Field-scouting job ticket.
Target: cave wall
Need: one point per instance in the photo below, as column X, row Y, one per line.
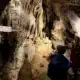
column 40, row 26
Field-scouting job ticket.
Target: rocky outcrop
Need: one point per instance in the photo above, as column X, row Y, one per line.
column 20, row 15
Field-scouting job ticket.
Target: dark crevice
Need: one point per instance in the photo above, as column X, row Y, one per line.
column 5, row 21
column 3, row 4
column 7, row 47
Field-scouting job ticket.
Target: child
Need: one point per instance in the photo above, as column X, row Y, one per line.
column 59, row 65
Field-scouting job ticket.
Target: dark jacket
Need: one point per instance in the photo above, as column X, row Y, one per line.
column 58, row 67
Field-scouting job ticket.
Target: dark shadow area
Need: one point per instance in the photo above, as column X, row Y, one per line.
column 75, row 8
column 5, row 21
column 3, row 4
column 50, row 18
column 7, row 47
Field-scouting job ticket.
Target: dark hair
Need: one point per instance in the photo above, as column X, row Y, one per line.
column 61, row 49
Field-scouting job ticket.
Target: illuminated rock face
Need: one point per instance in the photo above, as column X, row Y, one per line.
column 21, row 17
column 40, row 61
column 58, row 33
column 75, row 23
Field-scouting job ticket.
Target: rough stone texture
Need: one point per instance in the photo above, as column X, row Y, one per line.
column 40, row 62
column 24, row 24
column 29, row 40
column 58, row 33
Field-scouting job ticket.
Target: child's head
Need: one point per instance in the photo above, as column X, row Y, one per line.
column 61, row 49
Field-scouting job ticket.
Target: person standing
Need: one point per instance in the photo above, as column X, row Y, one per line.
column 59, row 65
